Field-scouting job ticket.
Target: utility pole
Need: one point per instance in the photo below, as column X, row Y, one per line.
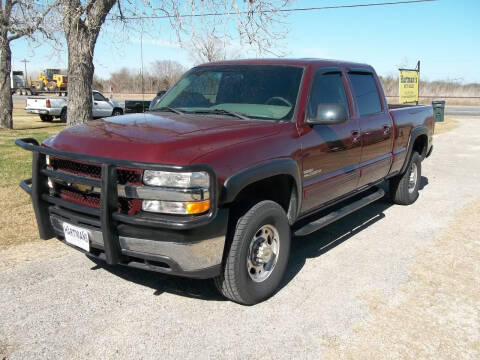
column 25, row 61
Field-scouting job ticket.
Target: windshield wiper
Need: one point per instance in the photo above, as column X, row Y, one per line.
column 168, row 108
column 222, row 112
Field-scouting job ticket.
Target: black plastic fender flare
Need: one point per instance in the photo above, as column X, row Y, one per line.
column 414, row 134
column 239, row 181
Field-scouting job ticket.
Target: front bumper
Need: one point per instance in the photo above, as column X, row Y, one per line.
column 195, row 253
column 185, row 246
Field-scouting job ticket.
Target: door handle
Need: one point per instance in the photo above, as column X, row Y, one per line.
column 386, row 129
column 355, row 136
column 95, row 103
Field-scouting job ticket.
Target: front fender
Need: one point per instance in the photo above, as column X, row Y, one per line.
column 237, row 182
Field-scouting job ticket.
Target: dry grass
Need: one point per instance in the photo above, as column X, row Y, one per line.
column 457, row 93
column 17, row 221
column 438, row 314
column 448, row 125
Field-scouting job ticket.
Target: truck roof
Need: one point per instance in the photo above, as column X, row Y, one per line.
column 289, row 61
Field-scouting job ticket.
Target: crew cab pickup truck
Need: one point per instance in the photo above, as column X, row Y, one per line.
column 232, row 160
column 56, row 107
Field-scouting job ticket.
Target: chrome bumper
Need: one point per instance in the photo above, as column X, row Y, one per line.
column 191, row 257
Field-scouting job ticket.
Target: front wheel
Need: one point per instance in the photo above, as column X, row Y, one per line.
column 63, row 116
column 258, row 255
column 117, row 112
column 404, row 187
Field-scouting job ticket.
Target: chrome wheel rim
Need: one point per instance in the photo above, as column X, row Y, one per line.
column 412, row 178
column 263, row 253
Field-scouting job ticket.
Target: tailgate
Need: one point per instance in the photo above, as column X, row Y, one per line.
column 36, row 103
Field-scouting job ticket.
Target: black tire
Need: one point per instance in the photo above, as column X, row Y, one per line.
column 235, row 282
column 63, row 116
column 117, row 112
column 402, row 190
column 46, row 118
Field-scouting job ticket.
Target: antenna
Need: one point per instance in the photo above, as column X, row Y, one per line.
column 141, row 73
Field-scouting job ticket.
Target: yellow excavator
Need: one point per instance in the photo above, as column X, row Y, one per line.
column 50, row 80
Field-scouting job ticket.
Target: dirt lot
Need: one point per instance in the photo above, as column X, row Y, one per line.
column 386, row 282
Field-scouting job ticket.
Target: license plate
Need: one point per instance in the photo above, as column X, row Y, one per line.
column 76, row 236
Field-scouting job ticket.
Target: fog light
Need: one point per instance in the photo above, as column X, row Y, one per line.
column 176, row 207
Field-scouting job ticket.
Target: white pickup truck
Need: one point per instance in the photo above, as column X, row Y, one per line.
column 56, row 107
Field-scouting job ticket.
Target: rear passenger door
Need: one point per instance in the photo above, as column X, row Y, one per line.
column 331, row 153
column 376, row 126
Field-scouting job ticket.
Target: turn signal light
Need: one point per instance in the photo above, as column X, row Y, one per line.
column 197, row 207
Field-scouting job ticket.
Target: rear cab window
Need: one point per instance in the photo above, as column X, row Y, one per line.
column 365, row 93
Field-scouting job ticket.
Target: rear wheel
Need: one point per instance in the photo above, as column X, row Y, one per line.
column 404, row 188
column 258, row 255
column 46, row 118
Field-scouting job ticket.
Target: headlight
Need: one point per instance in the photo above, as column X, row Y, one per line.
column 47, row 160
column 176, row 207
column 186, row 193
column 176, row 179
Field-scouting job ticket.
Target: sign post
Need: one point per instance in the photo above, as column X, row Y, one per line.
column 408, row 81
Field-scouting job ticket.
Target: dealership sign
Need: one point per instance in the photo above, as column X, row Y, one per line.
column 408, row 80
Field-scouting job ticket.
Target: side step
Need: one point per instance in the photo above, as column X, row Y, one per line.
column 340, row 213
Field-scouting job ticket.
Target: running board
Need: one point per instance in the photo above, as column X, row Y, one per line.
column 340, row 213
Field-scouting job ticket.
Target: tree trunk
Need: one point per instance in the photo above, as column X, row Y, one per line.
column 80, row 78
column 6, row 104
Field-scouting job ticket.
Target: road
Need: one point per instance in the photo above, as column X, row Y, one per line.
column 463, row 110
column 349, row 286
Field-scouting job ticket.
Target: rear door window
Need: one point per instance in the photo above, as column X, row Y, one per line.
column 366, row 93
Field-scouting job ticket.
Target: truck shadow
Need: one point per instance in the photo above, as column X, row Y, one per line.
column 162, row 283
column 302, row 248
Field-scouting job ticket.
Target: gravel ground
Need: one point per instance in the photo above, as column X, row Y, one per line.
column 345, row 284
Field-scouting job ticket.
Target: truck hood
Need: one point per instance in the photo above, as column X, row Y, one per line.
column 170, row 139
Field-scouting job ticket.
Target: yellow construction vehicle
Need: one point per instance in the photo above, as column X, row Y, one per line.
column 50, row 80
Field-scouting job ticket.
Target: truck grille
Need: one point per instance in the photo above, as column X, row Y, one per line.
column 124, row 176
column 88, row 170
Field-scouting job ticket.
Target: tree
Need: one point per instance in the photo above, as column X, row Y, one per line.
column 167, row 72
column 250, row 22
column 81, row 23
column 18, row 19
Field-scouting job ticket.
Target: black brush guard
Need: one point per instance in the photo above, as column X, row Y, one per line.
column 37, row 188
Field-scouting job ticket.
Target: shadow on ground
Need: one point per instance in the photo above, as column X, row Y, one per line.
column 303, row 248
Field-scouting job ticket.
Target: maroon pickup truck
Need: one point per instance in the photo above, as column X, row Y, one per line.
column 235, row 157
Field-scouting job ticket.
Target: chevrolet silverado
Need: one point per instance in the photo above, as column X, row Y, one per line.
column 232, row 160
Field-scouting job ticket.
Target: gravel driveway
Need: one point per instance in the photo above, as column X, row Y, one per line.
column 344, row 284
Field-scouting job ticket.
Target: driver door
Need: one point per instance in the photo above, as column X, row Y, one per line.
column 101, row 106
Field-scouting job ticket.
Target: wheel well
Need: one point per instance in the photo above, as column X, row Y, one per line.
column 279, row 188
column 117, row 108
column 420, row 145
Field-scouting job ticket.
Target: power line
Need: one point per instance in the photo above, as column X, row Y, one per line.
column 268, row 11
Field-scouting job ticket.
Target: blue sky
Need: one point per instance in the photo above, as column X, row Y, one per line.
column 444, row 35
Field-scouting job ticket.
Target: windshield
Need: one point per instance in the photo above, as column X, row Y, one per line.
column 252, row 91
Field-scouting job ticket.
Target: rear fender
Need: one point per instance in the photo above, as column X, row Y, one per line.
column 414, row 134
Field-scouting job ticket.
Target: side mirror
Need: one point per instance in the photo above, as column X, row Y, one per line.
column 329, row 114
